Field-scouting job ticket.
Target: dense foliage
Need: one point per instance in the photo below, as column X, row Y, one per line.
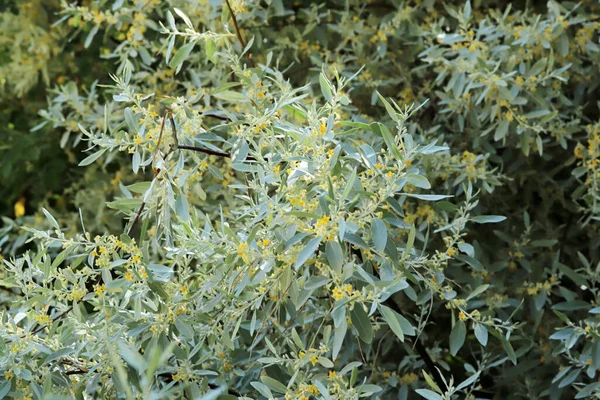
column 325, row 199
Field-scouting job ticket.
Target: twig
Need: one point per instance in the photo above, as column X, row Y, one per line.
column 59, row 316
column 205, row 151
column 239, row 34
column 9, row 290
column 135, row 220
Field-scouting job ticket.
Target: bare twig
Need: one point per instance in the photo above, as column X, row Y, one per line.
column 239, row 34
column 9, row 290
column 135, row 220
column 59, row 316
column 205, row 151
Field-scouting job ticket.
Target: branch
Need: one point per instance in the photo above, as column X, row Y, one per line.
column 9, row 290
column 135, row 220
column 59, row 316
column 239, row 34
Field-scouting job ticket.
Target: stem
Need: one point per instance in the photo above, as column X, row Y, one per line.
column 135, row 220
column 239, row 34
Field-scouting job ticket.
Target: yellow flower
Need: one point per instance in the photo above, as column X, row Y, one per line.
column 337, row 294
column 462, row 316
column 314, row 360
column 129, row 276
column 332, row 375
column 8, row 374
column 99, row 289
column 20, row 207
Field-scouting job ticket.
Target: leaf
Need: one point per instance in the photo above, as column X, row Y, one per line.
column 467, row 382
column 181, row 55
column 428, row 197
column 307, row 252
column 339, row 333
column 325, row 87
column 478, row 291
column 132, row 357
column 473, row 262
column 230, row 95
column 391, row 317
column 334, row 254
column 509, row 350
column 481, row 333
column 457, row 337
column 210, row 48
column 182, row 207
column 262, row 389
column 429, row 395
column 51, row 218
column 92, row 157
column 90, row 36
column 5, row 388
column 273, row 384
column 488, row 219
column 59, row 354
column 378, row 234
column 410, row 242
column 362, row 323
column 184, row 17
column 131, row 121
column 418, row 181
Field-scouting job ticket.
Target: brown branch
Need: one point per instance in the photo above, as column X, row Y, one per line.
column 239, row 34
column 205, row 151
column 135, row 220
column 59, row 316
column 9, row 290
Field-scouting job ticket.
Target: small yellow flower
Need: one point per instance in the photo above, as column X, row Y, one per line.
column 337, row 294
column 322, row 129
column 332, row 375
column 20, row 207
column 99, row 289
column 462, row 316
column 129, row 276
column 314, row 360
column 8, row 374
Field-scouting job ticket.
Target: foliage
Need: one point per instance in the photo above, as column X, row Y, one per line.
column 332, row 199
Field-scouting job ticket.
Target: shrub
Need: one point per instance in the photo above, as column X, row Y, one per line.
column 312, row 200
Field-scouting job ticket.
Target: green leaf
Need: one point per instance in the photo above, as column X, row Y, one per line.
column 92, row 157
column 457, row 337
column 51, row 219
column 307, row 252
column 273, row 384
column 181, row 55
column 230, row 95
column 429, row 395
column 509, row 350
column 467, row 382
column 378, row 234
column 334, row 254
column 418, row 181
column 410, row 242
column 488, row 219
column 481, row 333
column 325, row 87
column 473, row 262
column 362, row 323
column 210, row 47
column 391, row 317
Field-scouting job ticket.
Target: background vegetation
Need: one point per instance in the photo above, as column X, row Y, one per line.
column 276, row 199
